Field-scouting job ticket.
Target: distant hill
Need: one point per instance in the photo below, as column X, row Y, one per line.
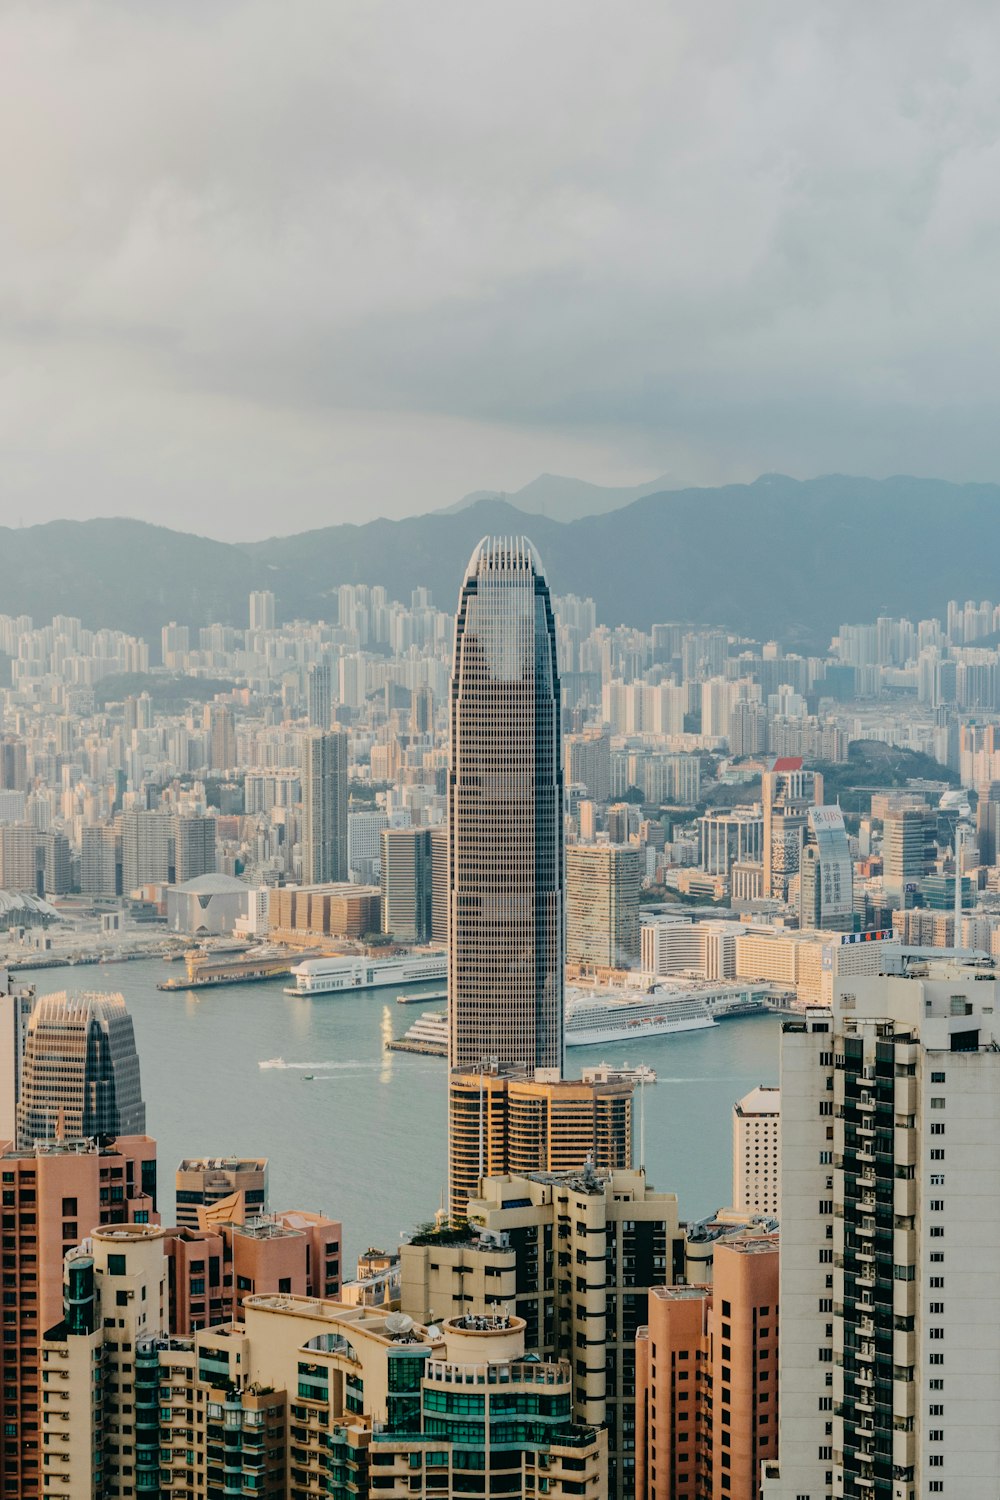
column 562, row 499
column 778, row 557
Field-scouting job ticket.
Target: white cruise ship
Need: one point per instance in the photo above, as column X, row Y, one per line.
column 592, row 1019
column 322, row 976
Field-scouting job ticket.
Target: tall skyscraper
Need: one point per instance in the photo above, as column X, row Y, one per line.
column 826, row 873
column 16, row 1002
column 907, row 850
column 221, row 734
column 194, row 847
column 146, row 849
column 787, row 793
column 890, row 1255
column 505, row 795
column 319, row 695
column 324, row 807
column 407, row 884
column 756, row 1151
column 80, row 1075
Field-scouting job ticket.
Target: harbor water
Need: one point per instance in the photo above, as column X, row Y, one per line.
column 363, row 1138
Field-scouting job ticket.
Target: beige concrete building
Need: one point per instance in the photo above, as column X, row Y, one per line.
column 202, row 1182
column 297, row 913
column 756, row 1152
column 602, row 905
column 306, row 1398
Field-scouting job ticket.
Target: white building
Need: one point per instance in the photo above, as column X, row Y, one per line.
column 890, row 1240
column 756, row 1151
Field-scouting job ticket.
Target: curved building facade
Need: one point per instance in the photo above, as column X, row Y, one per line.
column 80, row 1075
column 505, row 796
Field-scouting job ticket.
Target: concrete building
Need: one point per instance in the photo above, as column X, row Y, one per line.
column 319, row 695
column 787, row 793
column 203, row 1182
column 588, row 763
column 907, row 851
column 587, row 1249
column 262, row 610
column 602, row 905
column 324, row 807
column 306, row 1397
column 707, row 1379
column 407, row 884
column 324, row 911
column 890, row 1262
column 194, row 847
column 100, row 859
column 727, row 835
column 80, row 1076
column 757, row 1152
column 16, row 1003
column 674, row 945
column 18, row 860
column 220, row 737
column 364, row 846
column 147, row 849
column 210, row 906
column 826, row 873
column 54, row 1194
column 503, row 1124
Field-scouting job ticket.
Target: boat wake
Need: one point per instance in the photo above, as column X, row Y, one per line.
column 344, row 1064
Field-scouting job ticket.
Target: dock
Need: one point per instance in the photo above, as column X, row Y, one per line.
column 429, row 999
column 206, row 976
column 426, row 1049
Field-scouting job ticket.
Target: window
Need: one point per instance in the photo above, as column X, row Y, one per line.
column 937, row 1153
column 937, row 1281
column 937, row 1128
column 935, row 1359
column 937, row 1307
column 936, row 1460
column 937, row 1101
column 936, row 1435
column 937, row 1230
column 116, row 1265
column 935, row 1411
column 937, row 1078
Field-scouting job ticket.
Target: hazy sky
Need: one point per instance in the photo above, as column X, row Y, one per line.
column 269, row 266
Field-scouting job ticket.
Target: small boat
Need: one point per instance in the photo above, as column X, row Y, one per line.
column 308, row 1077
column 273, row 1062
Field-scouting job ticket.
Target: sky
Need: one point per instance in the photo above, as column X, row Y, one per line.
column 265, row 267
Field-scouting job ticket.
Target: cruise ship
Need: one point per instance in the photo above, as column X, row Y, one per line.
column 627, row 1015
column 323, row 976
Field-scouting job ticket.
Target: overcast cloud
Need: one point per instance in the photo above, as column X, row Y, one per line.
column 271, row 266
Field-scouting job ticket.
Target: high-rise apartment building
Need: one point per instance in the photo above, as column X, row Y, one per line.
column 890, row 1351
column 826, row 873
column 305, row 1397
column 220, row 734
column 80, row 1076
column 602, row 905
column 324, row 807
column 728, row 836
column 364, row 845
column 18, row 860
column 588, row 763
column 319, row 695
column 757, row 1152
column 13, row 763
column 907, row 851
column 57, row 867
column 505, row 798
column 16, row 1003
column 147, row 849
column 54, row 1194
column 707, row 1379
column 238, row 1182
column 194, row 847
column 787, row 793
column 262, row 610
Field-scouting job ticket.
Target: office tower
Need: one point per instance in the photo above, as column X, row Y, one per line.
column 907, row 851
column 602, row 905
column 728, row 836
column 787, row 793
column 757, row 1151
column 13, row 763
column 319, row 695
column 422, row 712
column 504, row 1124
column 889, row 1150
column 57, row 869
column 146, row 849
column 262, row 610
column 324, row 807
column 81, row 1071
column 364, row 846
column 16, row 1002
column 194, row 847
column 306, row 1397
column 55, row 1194
column 988, row 823
column 826, row 873
column 17, row 857
column 588, row 1247
column 407, row 884
column 588, row 763
column 203, row 1182
column 505, row 816
column 220, row 732
column 99, row 860
column 440, row 855
column 707, row 1379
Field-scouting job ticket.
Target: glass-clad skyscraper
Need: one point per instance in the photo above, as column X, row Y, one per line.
column 505, row 795
column 80, row 1075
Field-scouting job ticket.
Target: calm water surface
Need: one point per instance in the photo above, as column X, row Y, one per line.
column 365, row 1140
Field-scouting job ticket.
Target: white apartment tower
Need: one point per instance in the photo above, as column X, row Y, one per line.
column 890, row 1240
column 756, row 1151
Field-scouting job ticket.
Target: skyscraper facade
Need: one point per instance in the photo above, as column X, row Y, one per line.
column 826, row 873
column 505, row 796
column 787, row 793
column 80, row 1075
column 602, row 905
column 324, row 807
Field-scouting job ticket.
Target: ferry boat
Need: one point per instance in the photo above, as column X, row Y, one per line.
column 323, row 976
column 609, row 1073
column 592, row 1019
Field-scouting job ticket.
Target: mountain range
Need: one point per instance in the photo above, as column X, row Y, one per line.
column 777, row 558
column 563, row 499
